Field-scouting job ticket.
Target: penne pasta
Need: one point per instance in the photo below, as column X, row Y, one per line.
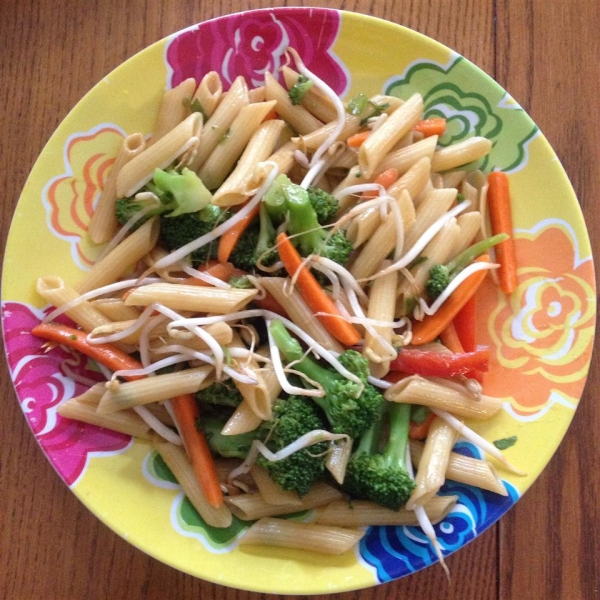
column 216, row 126
column 231, row 145
column 424, row 392
column 299, row 119
column 139, row 170
column 382, row 302
column 304, row 536
column 174, row 108
column 155, row 389
column 126, row 421
column 119, row 260
column 273, row 493
column 190, row 297
column 179, row 464
column 242, row 420
column 314, row 100
column 362, row 513
column 103, row 224
column 461, row 153
column 382, row 140
column 54, row 290
column 209, row 93
column 298, row 311
column 249, row 507
column 466, row 469
column 433, row 465
column 236, row 188
column 115, row 309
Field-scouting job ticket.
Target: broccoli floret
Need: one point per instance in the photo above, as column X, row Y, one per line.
column 287, row 198
column 350, row 408
column 382, row 477
column 220, row 393
column 177, row 194
column 292, row 418
column 256, row 245
column 299, row 89
column 176, row 232
column 441, row 275
column 324, row 204
column 126, row 208
column 228, row 446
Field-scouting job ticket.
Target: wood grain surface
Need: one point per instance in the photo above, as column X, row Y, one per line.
column 545, row 52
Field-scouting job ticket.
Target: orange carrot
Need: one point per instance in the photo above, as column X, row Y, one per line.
column 108, row 355
column 357, row 140
column 222, row 271
column 464, row 323
column 450, row 339
column 429, row 127
column 498, row 198
column 185, row 407
column 186, row 413
column 419, row 431
column 384, row 179
column 314, row 296
column 272, row 114
column 431, row 326
column 230, row 238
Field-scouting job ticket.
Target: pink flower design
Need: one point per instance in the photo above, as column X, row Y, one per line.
column 42, row 381
column 254, row 42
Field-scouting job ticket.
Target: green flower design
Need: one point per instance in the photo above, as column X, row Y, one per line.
column 473, row 106
column 187, row 516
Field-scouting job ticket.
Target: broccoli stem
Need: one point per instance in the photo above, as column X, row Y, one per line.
column 472, row 252
column 266, row 234
column 292, row 351
column 394, row 452
column 304, row 225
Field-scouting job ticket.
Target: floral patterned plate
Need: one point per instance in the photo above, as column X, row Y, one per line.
column 540, row 337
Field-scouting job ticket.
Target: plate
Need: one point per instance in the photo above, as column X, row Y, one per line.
column 540, row 337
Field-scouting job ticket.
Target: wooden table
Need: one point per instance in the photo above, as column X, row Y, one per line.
column 545, row 52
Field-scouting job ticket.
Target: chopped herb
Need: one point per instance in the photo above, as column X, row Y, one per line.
column 417, row 261
column 419, row 414
column 460, row 198
column 505, row 443
column 357, row 104
column 240, row 282
column 299, row 89
column 377, row 110
column 227, row 354
column 410, row 303
column 358, row 174
column 73, row 337
column 194, row 106
column 226, row 136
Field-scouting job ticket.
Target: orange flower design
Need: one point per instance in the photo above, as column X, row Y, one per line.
column 543, row 333
column 70, row 197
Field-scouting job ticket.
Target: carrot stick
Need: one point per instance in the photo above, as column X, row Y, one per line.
column 464, row 324
column 222, row 271
column 184, row 406
column 108, row 355
column 384, row 179
column 419, row 431
column 431, row 326
column 357, row 140
column 271, row 115
column 429, row 127
column 186, row 413
column 499, row 207
column 314, row 296
column 450, row 339
column 230, row 238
